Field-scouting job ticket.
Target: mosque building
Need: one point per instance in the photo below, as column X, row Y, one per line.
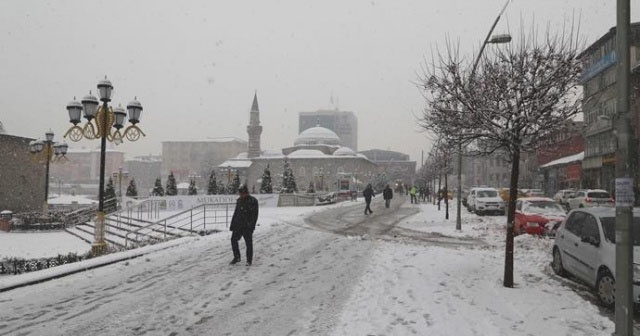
column 316, row 157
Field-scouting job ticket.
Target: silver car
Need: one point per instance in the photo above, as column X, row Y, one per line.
column 585, row 247
column 590, row 198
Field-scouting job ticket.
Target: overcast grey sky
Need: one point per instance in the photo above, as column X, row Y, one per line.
column 194, row 64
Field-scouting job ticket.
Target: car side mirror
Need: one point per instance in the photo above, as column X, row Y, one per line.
column 591, row 240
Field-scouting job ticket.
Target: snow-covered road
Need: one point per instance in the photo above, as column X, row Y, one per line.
column 401, row 271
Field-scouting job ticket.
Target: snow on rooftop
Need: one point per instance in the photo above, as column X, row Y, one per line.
column 565, row 160
column 235, row 164
column 307, row 153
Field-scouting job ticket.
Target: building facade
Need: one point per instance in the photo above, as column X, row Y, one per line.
column 22, row 178
column 80, row 173
column 562, row 173
column 343, row 123
column 144, row 170
column 197, row 159
column 599, row 106
column 392, row 166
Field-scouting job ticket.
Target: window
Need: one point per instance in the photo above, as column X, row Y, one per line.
column 609, row 228
column 573, row 223
column 610, row 76
column 590, row 228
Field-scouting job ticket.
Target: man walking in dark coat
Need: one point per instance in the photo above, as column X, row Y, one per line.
column 368, row 193
column 387, row 194
column 243, row 223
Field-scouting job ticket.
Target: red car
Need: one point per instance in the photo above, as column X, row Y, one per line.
column 538, row 215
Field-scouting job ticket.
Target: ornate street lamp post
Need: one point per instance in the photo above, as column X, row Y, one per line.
column 101, row 122
column 47, row 151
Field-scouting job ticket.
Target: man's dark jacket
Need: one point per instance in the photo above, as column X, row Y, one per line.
column 246, row 214
column 387, row 193
column 367, row 193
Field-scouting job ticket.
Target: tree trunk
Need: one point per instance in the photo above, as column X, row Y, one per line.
column 446, row 194
column 439, row 188
column 511, row 214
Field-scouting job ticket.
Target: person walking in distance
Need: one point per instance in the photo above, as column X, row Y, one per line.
column 368, row 193
column 243, row 223
column 413, row 192
column 387, row 194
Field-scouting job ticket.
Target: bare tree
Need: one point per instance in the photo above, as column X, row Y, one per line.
column 523, row 95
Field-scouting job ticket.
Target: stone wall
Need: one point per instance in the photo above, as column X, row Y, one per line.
column 21, row 178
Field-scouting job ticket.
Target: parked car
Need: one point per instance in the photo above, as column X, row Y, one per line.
column 585, row 248
column 590, row 198
column 504, row 193
column 538, row 215
column 485, row 200
column 562, row 196
column 535, row 193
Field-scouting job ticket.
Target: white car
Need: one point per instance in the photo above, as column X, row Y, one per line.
column 585, row 247
column 562, row 196
column 590, row 198
column 485, row 200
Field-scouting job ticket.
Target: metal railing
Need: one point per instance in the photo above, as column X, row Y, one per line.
column 202, row 219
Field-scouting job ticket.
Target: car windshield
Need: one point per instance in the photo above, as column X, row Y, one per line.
column 598, row 194
column 569, row 194
column 487, row 193
column 545, row 207
column 609, row 227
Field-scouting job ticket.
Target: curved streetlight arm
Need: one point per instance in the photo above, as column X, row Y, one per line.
column 488, row 40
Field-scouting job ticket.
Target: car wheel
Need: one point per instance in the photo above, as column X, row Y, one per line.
column 556, row 264
column 581, row 206
column 479, row 213
column 606, row 289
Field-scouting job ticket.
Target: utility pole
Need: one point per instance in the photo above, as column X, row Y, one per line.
column 625, row 162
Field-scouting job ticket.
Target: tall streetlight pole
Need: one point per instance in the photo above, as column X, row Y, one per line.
column 50, row 151
column 626, row 162
column 498, row 39
column 101, row 120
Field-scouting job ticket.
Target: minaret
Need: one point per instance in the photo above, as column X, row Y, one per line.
column 254, row 129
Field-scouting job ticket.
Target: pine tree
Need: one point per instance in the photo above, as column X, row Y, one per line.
column 311, row 190
column 212, row 188
column 221, row 188
column 288, row 180
column 266, row 187
column 157, row 188
column 132, row 191
column 235, row 183
column 172, row 187
column 193, row 190
column 110, row 200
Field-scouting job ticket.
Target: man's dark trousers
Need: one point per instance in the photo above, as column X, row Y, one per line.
column 247, row 234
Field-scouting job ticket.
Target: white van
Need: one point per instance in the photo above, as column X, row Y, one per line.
column 485, row 200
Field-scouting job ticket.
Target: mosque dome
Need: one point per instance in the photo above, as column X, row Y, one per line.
column 344, row 151
column 317, row 136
